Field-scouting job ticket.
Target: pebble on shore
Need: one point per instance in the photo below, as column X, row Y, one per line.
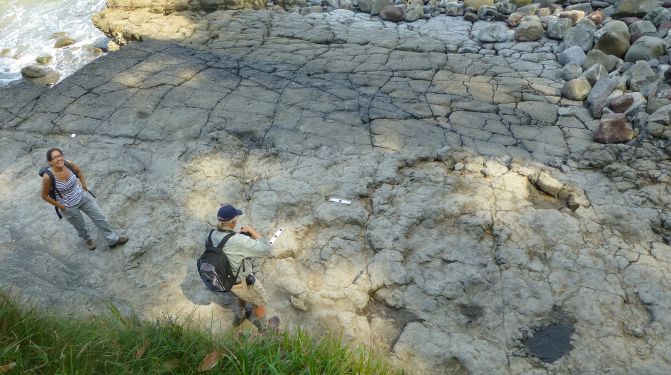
column 64, row 42
column 40, row 75
column 43, row 59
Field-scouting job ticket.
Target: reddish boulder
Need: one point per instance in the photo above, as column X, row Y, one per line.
column 664, row 28
column 391, row 13
column 468, row 16
column 619, row 104
column 614, row 128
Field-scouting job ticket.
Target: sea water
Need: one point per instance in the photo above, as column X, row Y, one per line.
column 29, row 28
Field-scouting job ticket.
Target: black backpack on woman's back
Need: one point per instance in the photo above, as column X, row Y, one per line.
column 214, row 268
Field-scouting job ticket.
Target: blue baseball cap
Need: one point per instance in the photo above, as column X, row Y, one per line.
column 227, row 213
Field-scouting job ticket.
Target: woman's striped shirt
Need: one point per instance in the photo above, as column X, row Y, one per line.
column 70, row 191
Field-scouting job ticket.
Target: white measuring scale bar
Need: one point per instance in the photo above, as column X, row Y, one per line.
column 338, row 200
column 277, row 234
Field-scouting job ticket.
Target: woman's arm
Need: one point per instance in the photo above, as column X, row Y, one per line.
column 80, row 173
column 46, row 186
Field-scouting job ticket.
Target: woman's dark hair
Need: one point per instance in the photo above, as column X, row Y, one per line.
column 52, row 150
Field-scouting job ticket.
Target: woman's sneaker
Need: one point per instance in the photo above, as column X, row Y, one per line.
column 264, row 325
column 90, row 244
column 122, row 240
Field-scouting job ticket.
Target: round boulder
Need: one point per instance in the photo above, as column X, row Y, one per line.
column 642, row 27
column 377, row 5
column 620, row 103
column 391, row 13
column 613, row 43
column 40, row 75
column 574, row 54
column 558, row 27
column 615, row 26
column 472, row 17
column 596, row 56
column 629, row 103
column 646, row 48
column 614, row 128
column 639, row 74
column 570, row 71
column 581, row 36
column 413, row 12
column 637, row 8
column 64, row 42
column 505, row 7
column 34, row 71
column 43, row 59
column 577, row 89
column 529, row 31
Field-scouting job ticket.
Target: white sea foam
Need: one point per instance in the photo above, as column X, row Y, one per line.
column 27, row 29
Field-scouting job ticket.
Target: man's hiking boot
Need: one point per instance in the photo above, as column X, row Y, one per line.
column 90, row 244
column 263, row 324
column 274, row 323
column 122, row 240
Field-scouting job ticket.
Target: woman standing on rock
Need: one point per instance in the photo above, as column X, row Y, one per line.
column 72, row 198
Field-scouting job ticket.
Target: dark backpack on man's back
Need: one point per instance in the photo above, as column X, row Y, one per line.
column 53, row 191
column 214, row 267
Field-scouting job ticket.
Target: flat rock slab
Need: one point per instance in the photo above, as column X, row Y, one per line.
column 450, row 252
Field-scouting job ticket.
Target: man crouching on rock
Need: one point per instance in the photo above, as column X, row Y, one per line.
column 239, row 248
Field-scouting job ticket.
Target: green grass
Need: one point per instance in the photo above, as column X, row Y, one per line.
column 39, row 342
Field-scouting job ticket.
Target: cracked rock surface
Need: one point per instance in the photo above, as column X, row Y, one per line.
column 481, row 209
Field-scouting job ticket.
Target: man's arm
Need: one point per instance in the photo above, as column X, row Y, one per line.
column 248, row 229
column 257, row 245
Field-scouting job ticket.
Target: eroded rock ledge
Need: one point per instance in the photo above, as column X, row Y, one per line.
column 481, row 207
